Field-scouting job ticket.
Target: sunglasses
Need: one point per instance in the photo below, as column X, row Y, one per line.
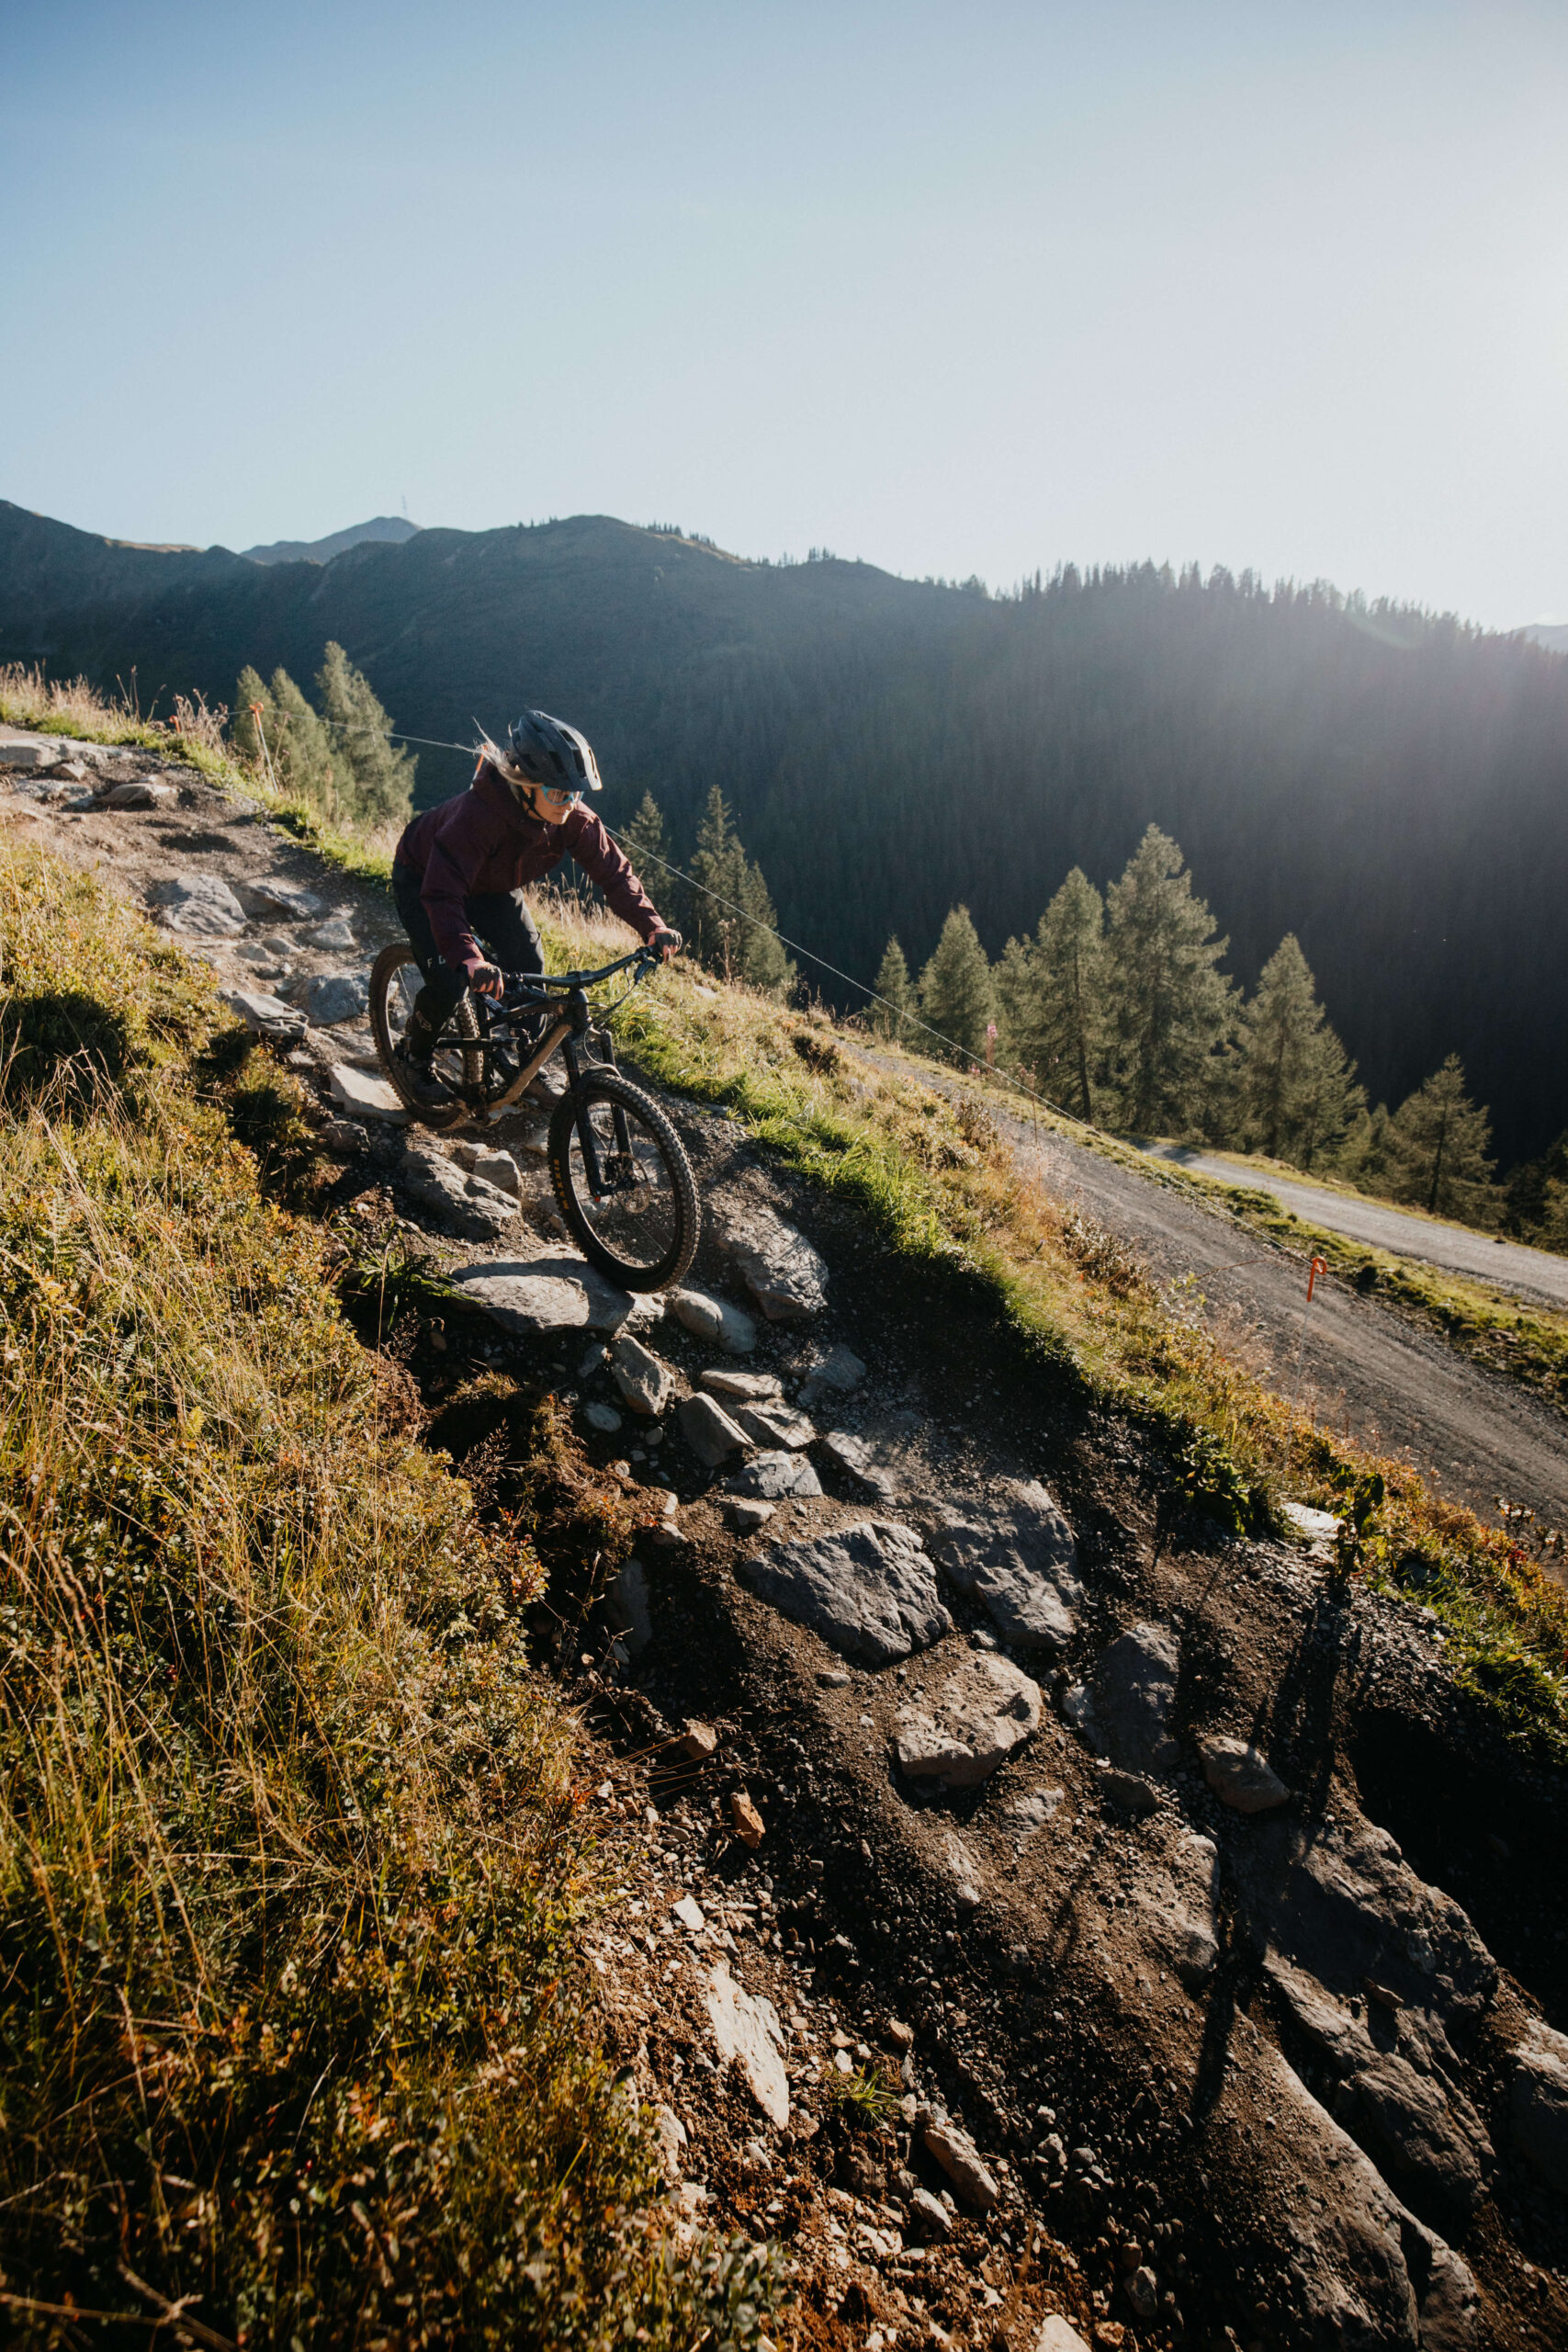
column 557, row 794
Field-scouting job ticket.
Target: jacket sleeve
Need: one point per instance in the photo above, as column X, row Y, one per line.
column 456, row 854
column 612, row 870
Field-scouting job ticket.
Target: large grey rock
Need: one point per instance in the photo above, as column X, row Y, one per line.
column 1134, row 1687
column 1013, row 1550
column 975, row 1715
column 1241, row 1776
column 1447, row 2299
column 955, row 2151
column 332, row 938
column 772, row 1476
column 146, row 792
column 1342, row 1903
column 368, row 1096
column 709, row 1432
column 870, row 1461
column 775, row 1425
column 1392, row 2096
column 527, row 1298
column 644, row 1379
column 197, row 906
column 837, row 1374
column 1347, row 2267
column 29, row 753
column 1539, row 2102
column 273, row 897
column 778, row 1265
column 868, row 1589
column 269, row 1016
column 714, row 1320
column 471, row 1207
column 335, row 997
column 747, row 2032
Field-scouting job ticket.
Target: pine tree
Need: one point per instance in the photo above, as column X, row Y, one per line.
column 956, row 994
column 250, row 695
column 645, row 841
column 1169, row 1005
column 301, row 754
column 1015, row 982
column 732, row 916
column 894, row 983
column 1295, row 1092
column 374, row 780
column 1069, row 967
column 1441, row 1141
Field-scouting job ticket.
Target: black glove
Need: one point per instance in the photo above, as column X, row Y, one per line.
column 665, row 943
column 486, row 979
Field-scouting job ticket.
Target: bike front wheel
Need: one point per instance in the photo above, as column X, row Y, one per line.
column 623, row 1183
column 458, row 1060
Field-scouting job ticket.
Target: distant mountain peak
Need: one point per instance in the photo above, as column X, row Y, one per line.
column 393, row 527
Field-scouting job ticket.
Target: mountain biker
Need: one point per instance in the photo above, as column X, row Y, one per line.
column 459, row 871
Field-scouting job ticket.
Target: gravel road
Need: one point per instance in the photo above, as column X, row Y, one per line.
column 1532, row 1275
column 1473, row 1434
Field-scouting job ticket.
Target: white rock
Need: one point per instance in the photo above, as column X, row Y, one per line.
column 265, row 1014
column 744, row 1387
column 672, row 2134
column 368, row 1097
column 199, row 905
column 746, row 2031
column 332, row 938
column 1056, row 2335
column 689, row 1911
column 29, row 752
column 714, row 1320
column 771, row 1476
column 500, row 1169
column 333, row 998
column 147, row 792
column 972, row 1722
column 709, row 1432
column 960, row 2159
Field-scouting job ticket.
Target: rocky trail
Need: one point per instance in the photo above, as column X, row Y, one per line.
column 1054, row 1923
column 1473, row 1434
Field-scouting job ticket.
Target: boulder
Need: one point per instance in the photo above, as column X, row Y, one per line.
column 602, row 1418
column 868, row 1589
column 1539, row 2102
column 333, row 998
column 709, row 1432
column 1241, row 1776
column 147, row 792
column 837, row 1374
column 333, row 938
column 1012, row 1550
column 775, row 1425
column 197, row 906
column 1134, row 1691
column 714, row 1320
column 18, row 751
column 747, row 2033
column 778, row 1265
column 495, row 1168
column 472, row 1208
column 526, row 1296
column 273, row 897
column 645, row 1381
column 772, row 1476
column 871, row 1464
column 343, row 1138
column 974, row 1718
column 367, row 1096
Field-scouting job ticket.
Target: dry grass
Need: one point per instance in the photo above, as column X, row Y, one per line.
column 290, row 1862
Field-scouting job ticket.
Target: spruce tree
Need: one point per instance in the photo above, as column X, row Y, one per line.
column 1016, row 985
column 1169, row 1005
column 956, row 994
column 645, row 841
column 1439, row 1141
column 733, row 927
column 1295, row 1092
column 301, row 754
column 374, row 778
column 1070, row 968
column 893, row 983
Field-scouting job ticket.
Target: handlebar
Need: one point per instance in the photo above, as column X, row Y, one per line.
column 519, row 989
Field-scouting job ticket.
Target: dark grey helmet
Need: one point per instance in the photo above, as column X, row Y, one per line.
column 542, row 750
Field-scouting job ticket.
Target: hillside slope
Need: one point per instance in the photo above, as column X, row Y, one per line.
column 1391, row 789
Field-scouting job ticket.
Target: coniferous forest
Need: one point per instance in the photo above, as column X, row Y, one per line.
column 1372, row 801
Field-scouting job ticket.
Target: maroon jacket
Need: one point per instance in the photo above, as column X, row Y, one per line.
column 484, row 839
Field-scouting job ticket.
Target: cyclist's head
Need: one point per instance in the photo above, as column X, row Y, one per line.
column 548, row 765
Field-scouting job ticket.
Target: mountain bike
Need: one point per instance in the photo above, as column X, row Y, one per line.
column 621, row 1177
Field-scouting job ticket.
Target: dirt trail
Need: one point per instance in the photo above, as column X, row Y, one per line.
column 1533, row 1275
column 1474, row 1434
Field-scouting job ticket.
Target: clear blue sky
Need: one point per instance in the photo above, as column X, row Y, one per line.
column 965, row 287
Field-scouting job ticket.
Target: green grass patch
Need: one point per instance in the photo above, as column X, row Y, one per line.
column 292, row 1863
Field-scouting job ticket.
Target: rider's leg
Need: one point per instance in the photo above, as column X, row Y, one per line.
column 502, row 919
column 443, row 988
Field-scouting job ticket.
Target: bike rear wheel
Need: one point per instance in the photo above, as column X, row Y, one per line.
column 623, row 1183
column 458, row 1058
